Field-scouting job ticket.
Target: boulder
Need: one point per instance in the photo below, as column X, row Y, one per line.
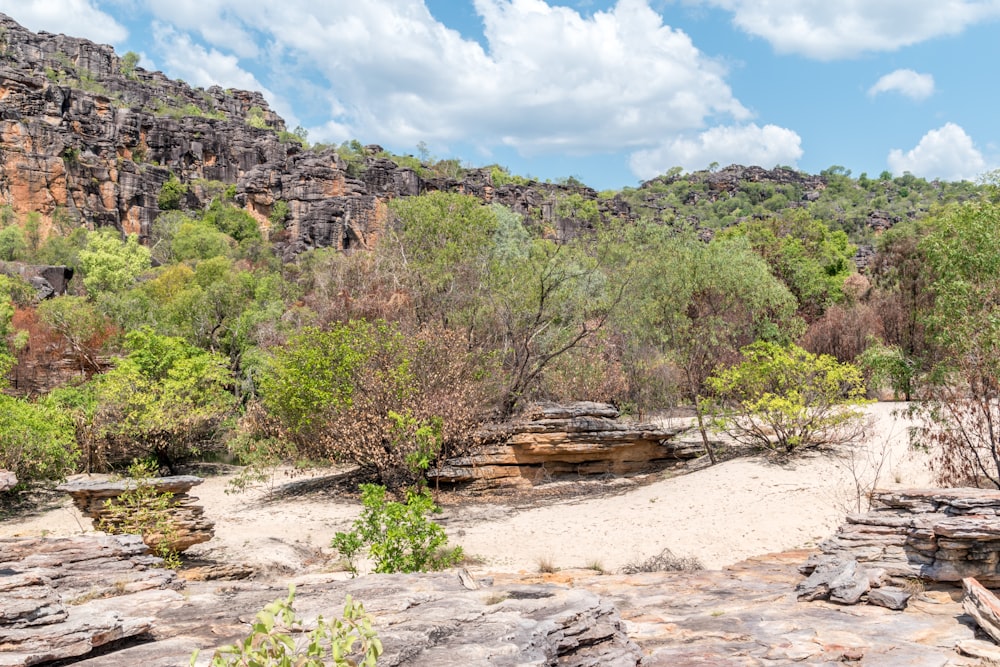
column 839, row 581
column 8, row 480
column 889, row 597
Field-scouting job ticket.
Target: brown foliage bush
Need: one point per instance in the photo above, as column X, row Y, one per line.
column 407, row 401
column 843, row 331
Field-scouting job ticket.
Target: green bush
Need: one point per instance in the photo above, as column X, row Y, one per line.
column 349, row 641
column 785, row 398
column 399, row 537
column 172, row 194
column 37, row 441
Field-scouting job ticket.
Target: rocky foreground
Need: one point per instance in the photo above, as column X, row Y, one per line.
column 747, row 614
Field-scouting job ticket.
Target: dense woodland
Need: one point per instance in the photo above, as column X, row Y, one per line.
column 203, row 343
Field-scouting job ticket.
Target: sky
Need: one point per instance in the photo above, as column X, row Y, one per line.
column 612, row 93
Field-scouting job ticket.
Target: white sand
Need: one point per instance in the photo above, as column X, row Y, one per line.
column 720, row 515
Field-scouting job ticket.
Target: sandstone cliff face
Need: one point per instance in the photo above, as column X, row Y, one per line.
column 82, row 142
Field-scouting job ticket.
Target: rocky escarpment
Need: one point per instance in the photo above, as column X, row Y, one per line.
column 85, row 140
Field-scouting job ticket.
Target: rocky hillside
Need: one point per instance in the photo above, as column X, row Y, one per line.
column 87, row 137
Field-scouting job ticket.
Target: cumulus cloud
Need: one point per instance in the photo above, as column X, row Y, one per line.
column 947, row 153
column 905, row 82
column 548, row 79
column 830, row 30
column 743, row 144
column 70, row 17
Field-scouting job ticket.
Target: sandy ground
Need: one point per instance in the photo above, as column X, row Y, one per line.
column 720, row 514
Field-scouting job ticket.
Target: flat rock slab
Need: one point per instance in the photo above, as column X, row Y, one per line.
column 983, row 606
column 61, row 598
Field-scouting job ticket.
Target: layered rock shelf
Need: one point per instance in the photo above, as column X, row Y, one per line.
column 192, row 527
column 60, row 596
column 553, row 441
column 934, row 534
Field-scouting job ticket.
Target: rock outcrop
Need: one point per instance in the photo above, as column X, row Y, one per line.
column 83, row 140
column 8, row 480
column 48, row 281
column 746, row 614
column 932, row 534
column 189, row 520
column 551, row 441
column 60, row 596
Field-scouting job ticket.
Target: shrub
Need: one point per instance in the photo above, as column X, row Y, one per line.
column 332, row 643
column 142, row 510
column 398, row 536
column 172, row 194
column 784, row 398
column 37, row 441
column 367, row 393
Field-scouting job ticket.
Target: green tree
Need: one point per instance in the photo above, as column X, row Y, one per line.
column 810, row 258
column 110, row 264
column 962, row 409
column 443, row 245
column 83, row 328
column 172, row 194
column 784, row 398
column 701, row 303
column 13, row 245
column 128, row 64
column 166, row 399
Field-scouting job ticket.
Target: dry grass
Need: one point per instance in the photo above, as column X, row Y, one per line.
column 546, row 565
column 665, row 561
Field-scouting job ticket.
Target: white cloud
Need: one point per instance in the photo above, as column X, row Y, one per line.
column 71, row 17
column 829, row 30
column 744, row 144
column 185, row 59
column 905, row 82
column 549, row 79
column 947, row 153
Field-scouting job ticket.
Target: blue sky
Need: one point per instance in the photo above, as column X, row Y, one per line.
column 610, row 92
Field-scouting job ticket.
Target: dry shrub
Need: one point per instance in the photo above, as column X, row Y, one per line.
column 399, row 402
column 665, row 561
column 959, row 421
column 591, row 372
column 843, row 331
column 341, row 287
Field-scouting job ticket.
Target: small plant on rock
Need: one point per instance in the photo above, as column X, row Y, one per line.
column 349, row 641
column 142, row 510
column 399, row 537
